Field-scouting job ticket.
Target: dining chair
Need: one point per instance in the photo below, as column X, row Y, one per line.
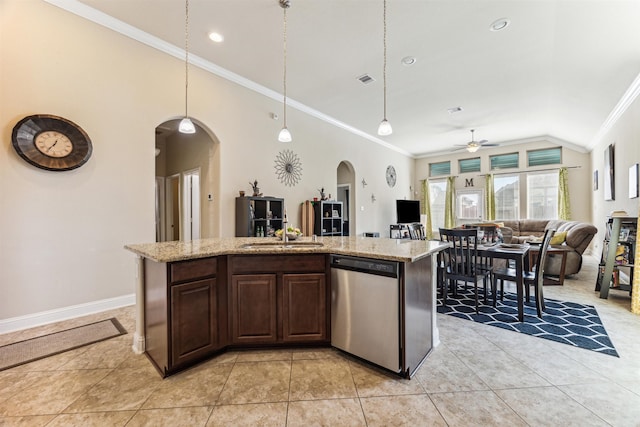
column 533, row 278
column 462, row 263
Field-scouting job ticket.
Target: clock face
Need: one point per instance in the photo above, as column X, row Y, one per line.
column 391, row 176
column 50, row 142
column 53, row 144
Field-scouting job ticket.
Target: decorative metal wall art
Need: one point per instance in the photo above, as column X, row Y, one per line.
column 288, row 168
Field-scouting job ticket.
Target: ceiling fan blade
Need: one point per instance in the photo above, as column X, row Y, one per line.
column 459, row 147
column 484, row 141
column 490, row 145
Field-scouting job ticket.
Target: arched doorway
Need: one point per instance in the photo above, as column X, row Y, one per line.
column 346, row 179
column 187, row 180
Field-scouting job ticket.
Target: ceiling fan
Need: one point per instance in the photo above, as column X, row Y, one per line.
column 473, row 145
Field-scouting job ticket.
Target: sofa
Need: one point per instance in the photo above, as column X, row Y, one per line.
column 577, row 238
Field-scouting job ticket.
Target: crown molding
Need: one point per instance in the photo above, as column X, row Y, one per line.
column 627, row 99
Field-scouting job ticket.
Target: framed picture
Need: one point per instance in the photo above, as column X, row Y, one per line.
column 609, row 173
column 335, row 213
column 595, row 180
column 633, row 181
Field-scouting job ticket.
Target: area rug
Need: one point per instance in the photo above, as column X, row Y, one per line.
column 566, row 322
column 26, row 351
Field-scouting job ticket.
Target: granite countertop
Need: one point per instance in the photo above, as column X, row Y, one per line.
column 402, row 250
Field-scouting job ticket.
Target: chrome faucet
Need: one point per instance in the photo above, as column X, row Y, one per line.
column 285, row 238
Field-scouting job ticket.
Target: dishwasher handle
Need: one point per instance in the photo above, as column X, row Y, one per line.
column 365, row 265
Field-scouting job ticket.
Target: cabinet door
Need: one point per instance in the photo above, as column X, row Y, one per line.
column 304, row 316
column 253, row 308
column 194, row 326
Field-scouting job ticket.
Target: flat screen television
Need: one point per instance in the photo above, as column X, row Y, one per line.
column 408, row 211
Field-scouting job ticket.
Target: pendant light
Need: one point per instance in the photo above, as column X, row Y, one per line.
column 186, row 125
column 385, row 127
column 284, row 135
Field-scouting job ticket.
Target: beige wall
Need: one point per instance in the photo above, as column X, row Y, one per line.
column 63, row 233
column 579, row 178
column 625, row 135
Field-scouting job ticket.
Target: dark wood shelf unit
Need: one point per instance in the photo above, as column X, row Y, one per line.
column 328, row 219
column 615, row 270
column 254, row 213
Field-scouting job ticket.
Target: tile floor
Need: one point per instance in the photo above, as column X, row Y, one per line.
column 479, row 376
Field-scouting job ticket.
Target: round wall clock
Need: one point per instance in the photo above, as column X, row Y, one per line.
column 288, row 168
column 51, row 142
column 391, row 176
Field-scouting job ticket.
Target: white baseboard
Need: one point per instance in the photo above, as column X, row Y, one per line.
column 65, row 313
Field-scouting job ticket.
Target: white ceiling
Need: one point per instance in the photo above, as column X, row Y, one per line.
column 557, row 71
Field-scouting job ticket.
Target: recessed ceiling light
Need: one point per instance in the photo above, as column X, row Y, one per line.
column 409, row 60
column 454, row 110
column 499, row 24
column 216, row 37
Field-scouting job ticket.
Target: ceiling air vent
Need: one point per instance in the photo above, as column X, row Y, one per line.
column 366, row 79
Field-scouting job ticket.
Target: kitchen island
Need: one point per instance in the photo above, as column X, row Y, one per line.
column 199, row 298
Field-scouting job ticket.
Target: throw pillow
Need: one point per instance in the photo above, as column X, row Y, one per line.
column 558, row 238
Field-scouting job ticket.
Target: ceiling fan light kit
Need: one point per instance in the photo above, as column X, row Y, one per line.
column 473, row 145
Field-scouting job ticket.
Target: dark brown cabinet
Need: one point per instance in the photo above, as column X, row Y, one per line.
column 196, row 308
column 253, row 308
column 304, row 309
column 194, row 331
column 181, row 312
column 278, row 299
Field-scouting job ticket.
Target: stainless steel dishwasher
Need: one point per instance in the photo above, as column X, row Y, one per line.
column 365, row 309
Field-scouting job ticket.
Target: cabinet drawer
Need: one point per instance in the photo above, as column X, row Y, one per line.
column 276, row 263
column 195, row 269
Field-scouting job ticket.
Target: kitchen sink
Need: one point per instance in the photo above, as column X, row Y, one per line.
column 280, row 244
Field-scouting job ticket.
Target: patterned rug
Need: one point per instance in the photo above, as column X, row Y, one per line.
column 567, row 322
column 26, row 351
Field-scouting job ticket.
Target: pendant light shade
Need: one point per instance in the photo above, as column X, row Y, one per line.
column 384, row 128
column 284, row 135
column 186, row 125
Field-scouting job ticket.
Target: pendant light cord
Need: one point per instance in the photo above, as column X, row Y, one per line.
column 384, row 64
column 186, row 58
column 285, row 5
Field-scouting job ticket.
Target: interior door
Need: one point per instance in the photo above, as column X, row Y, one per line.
column 172, row 211
column 191, row 204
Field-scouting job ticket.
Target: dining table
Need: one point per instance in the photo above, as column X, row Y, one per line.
column 519, row 254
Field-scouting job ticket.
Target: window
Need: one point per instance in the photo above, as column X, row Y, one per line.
column 504, row 161
column 507, row 194
column 469, row 205
column 548, row 156
column 440, row 169
column 437, row 195
column 469, row 165
column 542, row 195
